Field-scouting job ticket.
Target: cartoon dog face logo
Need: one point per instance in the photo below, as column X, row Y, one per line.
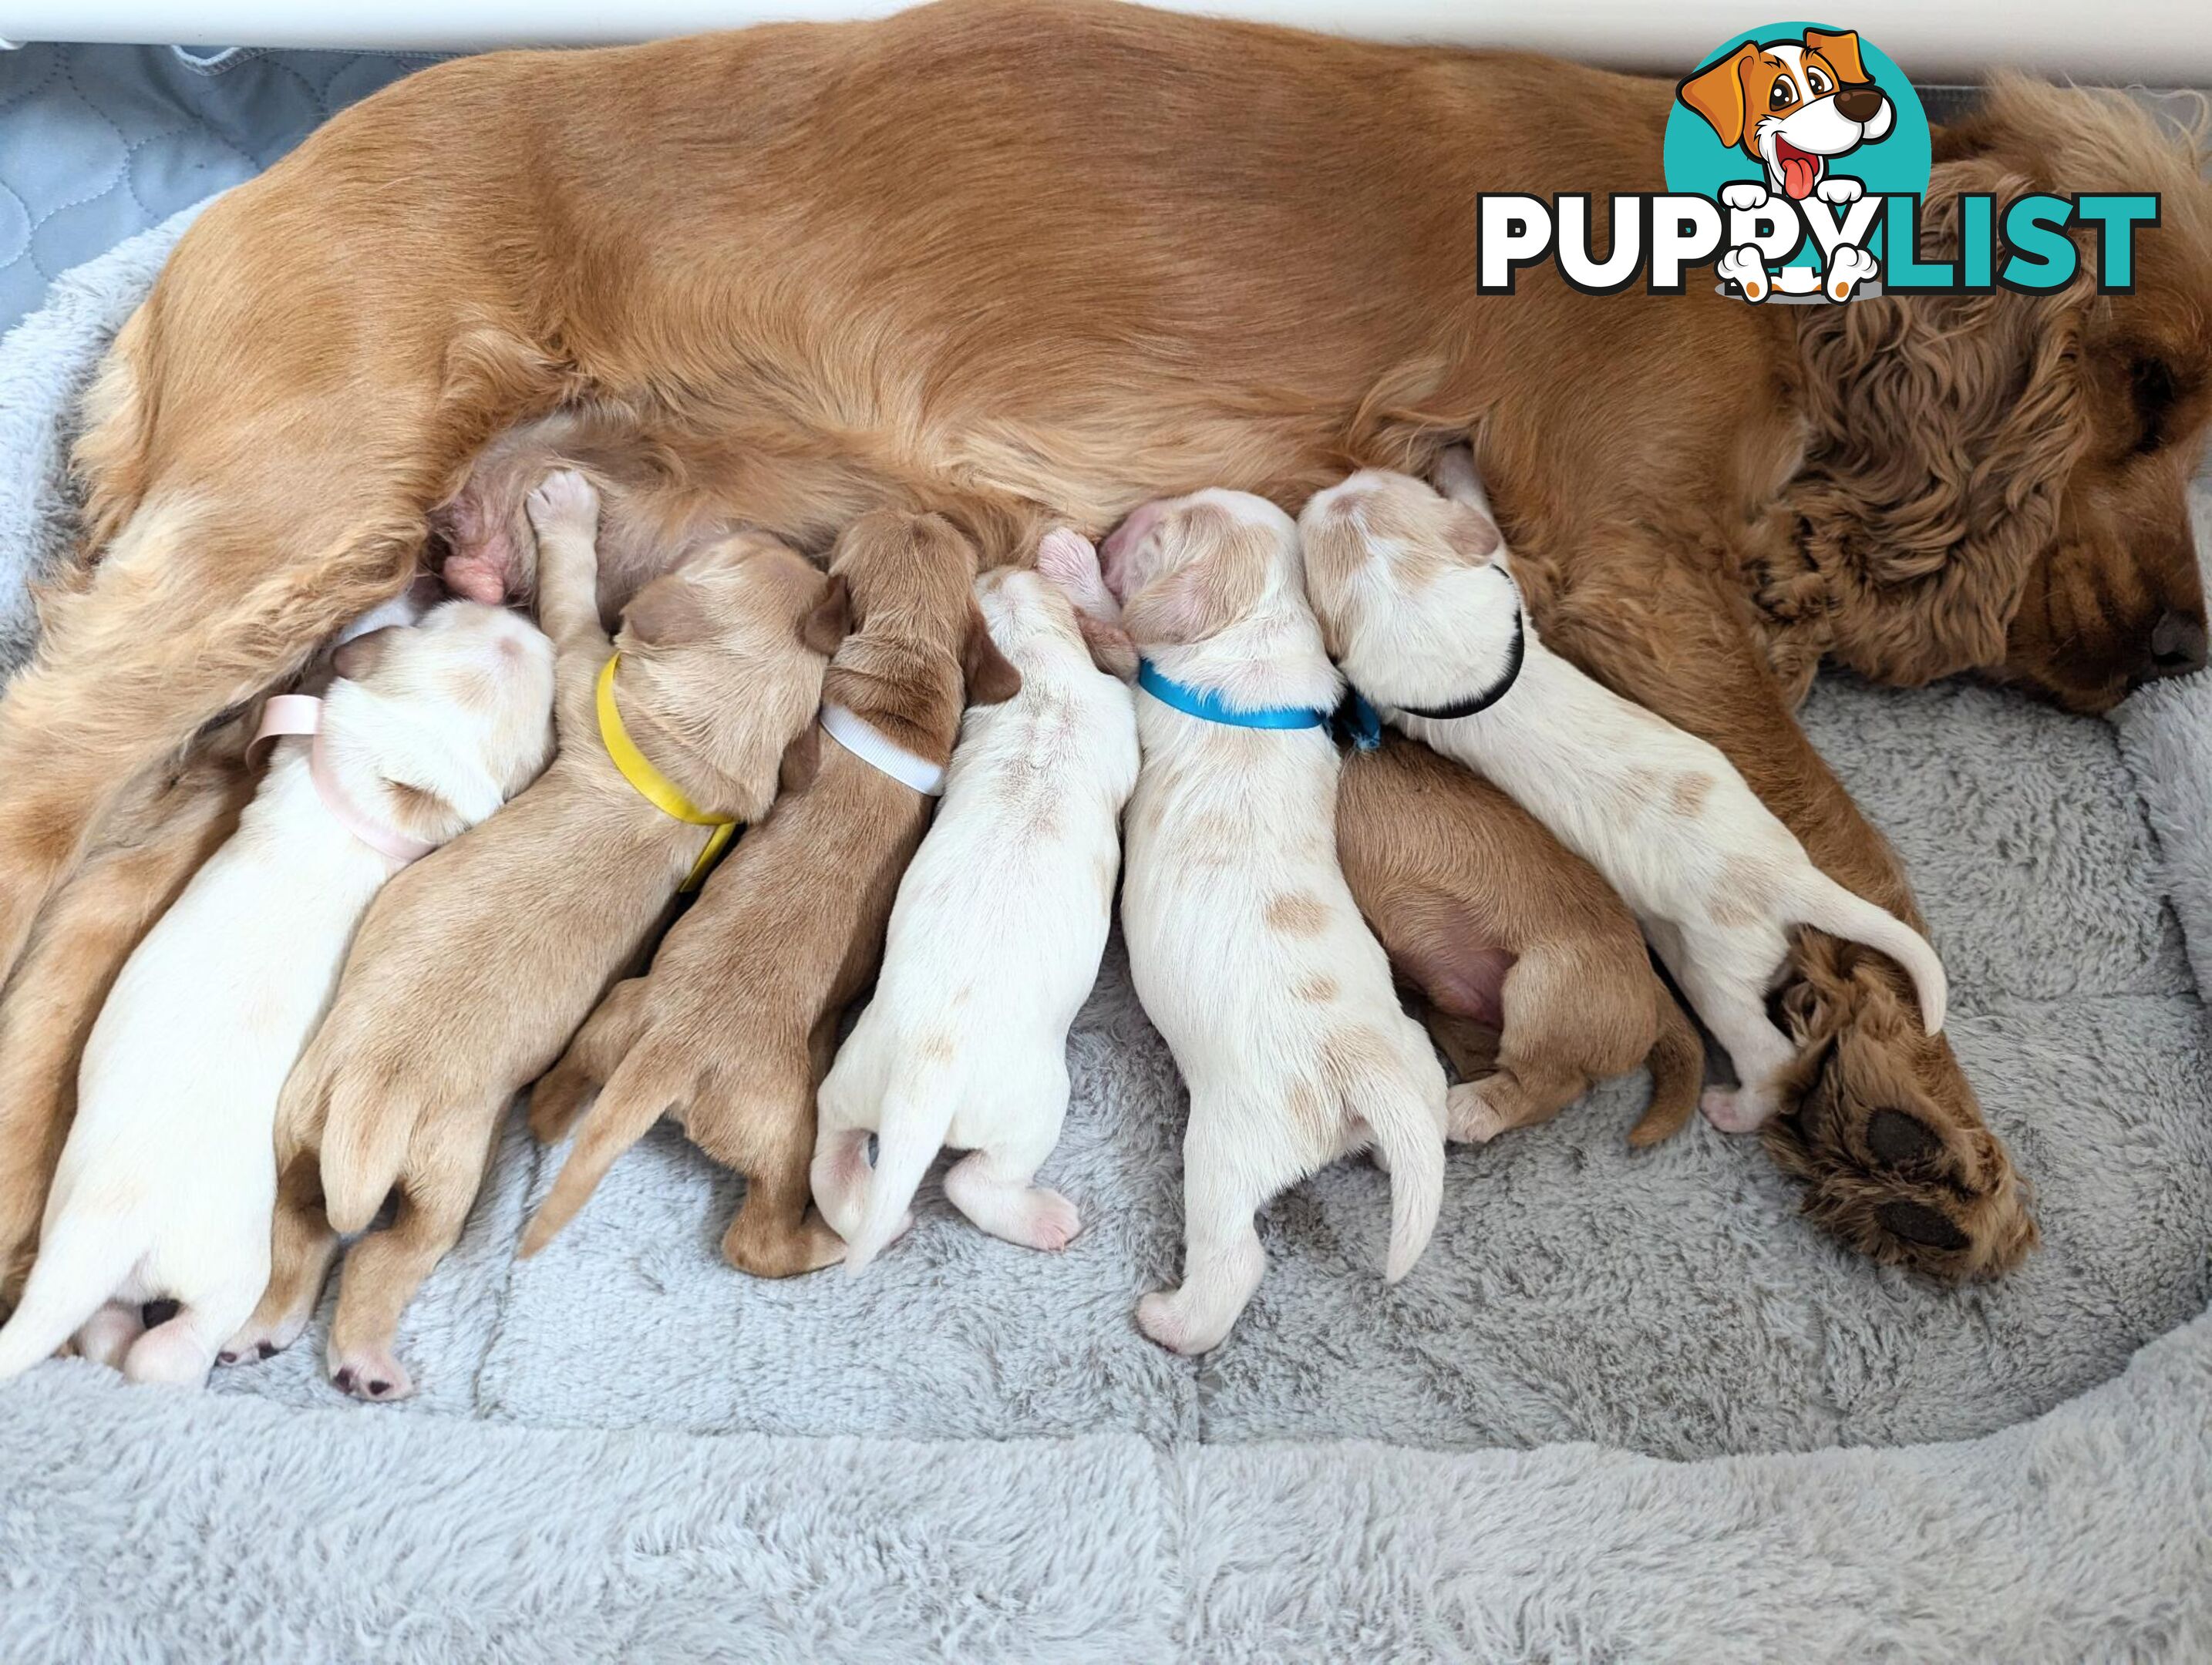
column 1792, row 105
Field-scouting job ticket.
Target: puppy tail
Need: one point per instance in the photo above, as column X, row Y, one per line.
column 915, row 1118
column 1410, row 1130
column 80, row 1264
column 1827, row 906
column 1677, row 1062
column 627, row 1107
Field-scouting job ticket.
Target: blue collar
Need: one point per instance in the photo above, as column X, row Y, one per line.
column 1201, row 703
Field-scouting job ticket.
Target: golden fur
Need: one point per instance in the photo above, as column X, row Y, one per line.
column 810, row 270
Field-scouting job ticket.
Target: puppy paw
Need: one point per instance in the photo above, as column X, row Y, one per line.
column 1745, row 194
column 370, row 1373
column 1839, row 188
column 1164, row 1318
column 262, row 1338
column 1736, row 1109
column 1746, row 267
column 564, row 503
column 1468, row 1117
column 1848, row 268
column 1046, row 1220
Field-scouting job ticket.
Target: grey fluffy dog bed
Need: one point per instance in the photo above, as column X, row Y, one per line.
column 1629, row 1407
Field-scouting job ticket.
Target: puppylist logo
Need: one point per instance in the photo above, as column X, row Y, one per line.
column 1797, row 158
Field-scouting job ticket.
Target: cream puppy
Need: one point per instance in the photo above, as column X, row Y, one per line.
column 1248, row 951
column 993, row 944
column 166, row 1185
column 1414, row 593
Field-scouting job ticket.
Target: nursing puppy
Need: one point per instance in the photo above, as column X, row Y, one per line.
column 731, row 1033
column 993, row 945
column 165, row 1185
column 1504, row 930
column 1414, row 591
column 1246, row 947
column 474, row 968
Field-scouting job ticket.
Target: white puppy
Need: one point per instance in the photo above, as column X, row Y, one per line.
column 993, row 947
column 167, row 1183
column 1413, row 590
column 1247, row 949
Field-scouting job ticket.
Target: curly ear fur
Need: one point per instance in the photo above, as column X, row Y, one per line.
column 1942, row 428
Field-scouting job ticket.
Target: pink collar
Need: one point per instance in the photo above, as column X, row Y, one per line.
column 302, row 714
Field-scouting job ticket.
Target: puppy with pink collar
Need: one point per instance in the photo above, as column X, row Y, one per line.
column 1245, row 945
column 166, row 1185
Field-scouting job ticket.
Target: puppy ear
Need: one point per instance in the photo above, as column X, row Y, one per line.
column 1111, row 650
column 359, row 658
column 1193, row 602
column 667, row 613
column 831, row 619
column 991, row 680
column 800, row 759
column 1470, row 535
column 1842, row 51
column 1716, row 94
column 421, row 813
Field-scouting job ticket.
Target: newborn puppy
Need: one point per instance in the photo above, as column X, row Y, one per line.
column 732, row 1032
column 993, row 945
column 1246, row 947
column 1503, row 929
column 1414, row 592
column 165, row 1182
column 474, row 968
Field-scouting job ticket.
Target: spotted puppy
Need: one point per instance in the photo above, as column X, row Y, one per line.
column 1414, row 591
column 1246, row 947
column 165, row 1185
column 993, row 945
column 475, row 968
column 731, row 1033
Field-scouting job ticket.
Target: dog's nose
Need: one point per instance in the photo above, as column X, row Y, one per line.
column 1860, row 104
column 2176, row 644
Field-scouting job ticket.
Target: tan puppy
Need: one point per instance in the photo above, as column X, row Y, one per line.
column 170, row 824
column 475, row 966
column 1504, row 930
column 732, row 1032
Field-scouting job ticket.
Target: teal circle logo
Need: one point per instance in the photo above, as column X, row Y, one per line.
column 1807, row 112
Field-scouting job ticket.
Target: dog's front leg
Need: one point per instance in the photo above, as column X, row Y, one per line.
column 1915, row 1178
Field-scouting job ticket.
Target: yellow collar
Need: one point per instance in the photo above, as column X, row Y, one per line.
column 656, row 788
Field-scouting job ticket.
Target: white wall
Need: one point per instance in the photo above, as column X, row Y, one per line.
column 2161, row 42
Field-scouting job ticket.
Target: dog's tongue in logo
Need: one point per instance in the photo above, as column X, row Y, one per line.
column 1800, row 172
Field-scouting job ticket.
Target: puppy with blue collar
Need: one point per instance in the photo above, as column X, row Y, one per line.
column 1413, row 589
column 1246, row 947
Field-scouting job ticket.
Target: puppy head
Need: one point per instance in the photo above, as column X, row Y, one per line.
column 919, row 647
column 434, row 726
column 1792, row 104
column 724, row 657
column 1027, row 617
column 1185, row 569
column 1413, row 600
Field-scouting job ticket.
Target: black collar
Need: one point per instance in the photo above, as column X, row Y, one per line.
column 1479, row 702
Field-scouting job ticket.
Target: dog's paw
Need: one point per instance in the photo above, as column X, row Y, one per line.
column 1468, row 1117
column 262, row 1338
column 1839, row 188
column 1047, row 1220
column 564, row 502
column 368, row 1372
column 1746, row 267
column 1745, row 194
column 1165, row 1317
column 1848, row 268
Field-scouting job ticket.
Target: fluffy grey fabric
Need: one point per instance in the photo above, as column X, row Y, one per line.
column 624, row 1447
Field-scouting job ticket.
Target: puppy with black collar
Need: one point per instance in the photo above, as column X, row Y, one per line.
column 1415, row 595
column 1245, row 945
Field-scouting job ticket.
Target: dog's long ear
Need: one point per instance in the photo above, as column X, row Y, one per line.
column 359, row 658
column 1842, row 51
column 1111, row 650
column 667, row 613
column 1716, row 94
column 831, row 619
column 1942, row 429
column 991, row 680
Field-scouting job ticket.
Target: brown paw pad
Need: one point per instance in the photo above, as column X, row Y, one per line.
column 1917, row 1223
column 1899, row 1140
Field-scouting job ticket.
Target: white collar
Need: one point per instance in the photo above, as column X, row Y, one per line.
column 850, row 731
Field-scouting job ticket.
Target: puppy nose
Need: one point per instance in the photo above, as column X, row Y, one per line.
column 2176, row 644
column 1859, row 104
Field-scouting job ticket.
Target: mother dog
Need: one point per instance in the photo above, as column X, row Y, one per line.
column 1029, row 263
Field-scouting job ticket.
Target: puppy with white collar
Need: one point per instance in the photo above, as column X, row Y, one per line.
column 1245, row 945
column 1413, row 590
column 166, row 1184
column 993, row 945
